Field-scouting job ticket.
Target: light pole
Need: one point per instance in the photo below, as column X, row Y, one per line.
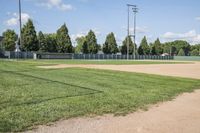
column 20, row 23
column 135, row 10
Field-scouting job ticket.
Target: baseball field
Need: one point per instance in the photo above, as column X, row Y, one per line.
column 40, row 92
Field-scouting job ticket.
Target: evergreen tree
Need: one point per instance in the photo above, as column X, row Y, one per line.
column 85, row 48
column 92, row 42
column 64, row 44
column 181, row 52
column 42, row 42
column 29, row 40
column 80, row 41
column 157, row 48
column 110, row 45
column 51, row 42
column 144, row 48
column 131, row 46
column 9, row 39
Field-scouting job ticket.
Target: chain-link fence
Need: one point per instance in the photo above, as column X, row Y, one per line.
column 32, row 55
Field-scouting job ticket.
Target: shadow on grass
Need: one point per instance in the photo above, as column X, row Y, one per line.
column 49, row 80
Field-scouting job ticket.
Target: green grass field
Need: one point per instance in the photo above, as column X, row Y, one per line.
column 31, row 96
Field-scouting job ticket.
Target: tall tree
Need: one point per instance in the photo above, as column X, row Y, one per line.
column 29, row 38
column 110, row 45
column 80, row 41
column 144, row 48
column 51, row 42
column 85, row 48
column 42, row 42
column 131, row 46
column 181, row 52
column 64, row 44
column 92, row 42
column 157, row 48
column 9, row 39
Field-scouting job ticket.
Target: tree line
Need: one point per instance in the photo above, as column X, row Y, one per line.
column 60, row 42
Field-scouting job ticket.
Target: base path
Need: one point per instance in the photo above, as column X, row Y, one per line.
column 190, row 70
column 182, row 115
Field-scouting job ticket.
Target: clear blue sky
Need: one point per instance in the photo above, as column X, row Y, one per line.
column 166, row 19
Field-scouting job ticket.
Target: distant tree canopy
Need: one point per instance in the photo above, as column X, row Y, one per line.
column 42, row 42
column 195, row 52
column 29, row 40
column 61, row 42
column 110, row 45
column 144, row 48
column 64, row 44
column 92, row 42
column 124, row 46
column 80, row 41
column 157, row 48
column 181, row 52
column 9, row 39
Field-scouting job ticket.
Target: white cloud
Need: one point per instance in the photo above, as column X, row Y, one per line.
column 15, row 19
column 191, row 36
column 139, row 30
column 197, row 18
column 59, row 4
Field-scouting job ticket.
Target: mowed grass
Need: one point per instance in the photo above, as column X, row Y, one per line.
column 101, row 62
column 31, row 96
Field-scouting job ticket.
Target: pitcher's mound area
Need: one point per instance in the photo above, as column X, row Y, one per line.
column 191, row 70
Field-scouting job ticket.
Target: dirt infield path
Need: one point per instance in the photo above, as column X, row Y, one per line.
column 181, row 115
column 191, row 70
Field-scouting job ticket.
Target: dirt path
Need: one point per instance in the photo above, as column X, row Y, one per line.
column 180, row 70
column 181, row 115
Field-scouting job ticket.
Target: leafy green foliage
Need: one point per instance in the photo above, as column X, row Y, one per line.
column 80, row 41
column 9, row 39
column 91, row 42
column 144, row 48
column 195, row 52
column 185, row 46
column 43, row 47
column 51, row 42
column 181, row 52
column 110, row 45
column 157, row 48
column 29, row 40
column 64, row 44
column 131, row 46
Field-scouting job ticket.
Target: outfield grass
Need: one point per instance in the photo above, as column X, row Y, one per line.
column 101, row 62
column 31, row 96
